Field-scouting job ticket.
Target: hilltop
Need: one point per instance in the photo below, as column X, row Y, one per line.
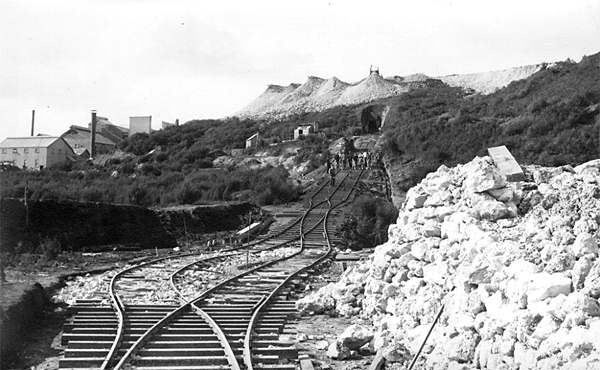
column 318, row 94
column 551, row 118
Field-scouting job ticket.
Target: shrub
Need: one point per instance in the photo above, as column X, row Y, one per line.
column 368, row 225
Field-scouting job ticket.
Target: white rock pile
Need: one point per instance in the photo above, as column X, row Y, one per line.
column 514, row 264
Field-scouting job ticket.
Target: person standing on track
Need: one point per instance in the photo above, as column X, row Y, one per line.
column 332, row 177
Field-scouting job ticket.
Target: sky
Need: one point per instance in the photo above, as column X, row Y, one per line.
column 196, row 59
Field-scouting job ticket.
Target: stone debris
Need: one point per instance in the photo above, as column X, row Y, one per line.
column 515, row 264
column 155, row 287
column 355, row 336
column 85, row 287
column 193, row 281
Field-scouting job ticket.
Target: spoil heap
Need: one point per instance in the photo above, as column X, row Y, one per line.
column 515, row 264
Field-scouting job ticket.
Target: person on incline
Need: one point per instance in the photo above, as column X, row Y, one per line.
column 332, row 176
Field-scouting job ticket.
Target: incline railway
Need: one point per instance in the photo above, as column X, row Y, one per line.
column 233, row 324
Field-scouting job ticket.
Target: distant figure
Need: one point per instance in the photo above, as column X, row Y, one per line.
column 332, row 176
column 328, row 165
column 337, row 160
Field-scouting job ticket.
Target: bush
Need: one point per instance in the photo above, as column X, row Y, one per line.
column 549, row 119
column 368, row 225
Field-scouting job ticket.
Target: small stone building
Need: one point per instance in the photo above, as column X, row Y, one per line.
column 301, row 131
column 252, row 141
column 35, row 152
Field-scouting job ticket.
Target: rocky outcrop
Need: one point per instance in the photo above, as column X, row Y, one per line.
column 514, row 264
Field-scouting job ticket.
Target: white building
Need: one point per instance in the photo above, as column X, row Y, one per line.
column 252, row 141
column 35, row 152
column 303, row 131
column 140, row 124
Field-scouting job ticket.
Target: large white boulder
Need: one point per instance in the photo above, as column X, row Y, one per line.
column 355, row 336
column 585, row 244
column 317, row 302
column 593, row 165
column 482, row 175
column 461, row 348
column 591, row 284
column 544, row 285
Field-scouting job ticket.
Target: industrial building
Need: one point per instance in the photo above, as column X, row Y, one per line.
column 109, row 130
column 140, row 124
column 35, row 152
column 79, row 138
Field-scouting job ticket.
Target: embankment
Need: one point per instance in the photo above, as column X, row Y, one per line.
column 206, row 218
column 18, row 319
column 78, row 226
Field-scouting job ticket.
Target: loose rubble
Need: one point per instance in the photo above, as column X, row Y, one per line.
column 514, row 264
column 193, row 281
column 156, row 288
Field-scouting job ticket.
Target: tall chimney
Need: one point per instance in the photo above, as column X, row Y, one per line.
column 32, row 120
column 93, row 135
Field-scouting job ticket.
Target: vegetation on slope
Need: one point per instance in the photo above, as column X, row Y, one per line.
column 174, row 165
column 146, row 188
column 550, row 118
column 368, row 225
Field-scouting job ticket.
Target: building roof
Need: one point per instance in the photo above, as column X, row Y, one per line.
column 303, row 127
column 28, row 142
column 82, row 151
column 253, row 136
column 100, row 138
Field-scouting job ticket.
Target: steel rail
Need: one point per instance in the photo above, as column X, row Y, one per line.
column 119, row 307
column 247, row 352
column 286, row 229
column 170, row 316
column 193, row 302
column 209, row 320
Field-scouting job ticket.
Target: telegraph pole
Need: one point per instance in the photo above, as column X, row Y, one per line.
column 26, row 204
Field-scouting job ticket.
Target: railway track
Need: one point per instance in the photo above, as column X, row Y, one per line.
column 233, row 324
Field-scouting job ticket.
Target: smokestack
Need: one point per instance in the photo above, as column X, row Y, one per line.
column 93, row 135
column 176, row 121
column 32, row 120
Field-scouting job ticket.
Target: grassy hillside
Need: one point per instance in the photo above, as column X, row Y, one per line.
column 174, row 166
column 551, row 118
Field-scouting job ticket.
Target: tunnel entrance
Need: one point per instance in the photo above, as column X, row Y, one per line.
column 372, row 118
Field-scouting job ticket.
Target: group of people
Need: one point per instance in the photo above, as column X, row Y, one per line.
column 351, row 161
